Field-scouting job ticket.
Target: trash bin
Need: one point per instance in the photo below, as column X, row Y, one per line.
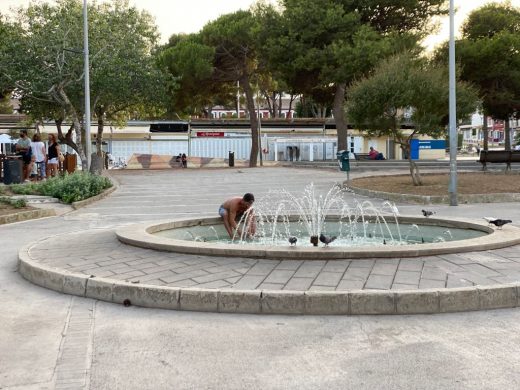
column 231, row 159
column 13, row 169
column 343, row 160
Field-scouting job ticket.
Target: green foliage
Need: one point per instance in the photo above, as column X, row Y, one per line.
column 68, row 188
column 5, row 105
column 406, row 90
column 41, row 56
column 25, row 189
column 317, row 45
column 75, row 187
column 489, row 55
column 16, row 203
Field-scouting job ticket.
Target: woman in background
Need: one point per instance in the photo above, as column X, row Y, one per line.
column 52, row 156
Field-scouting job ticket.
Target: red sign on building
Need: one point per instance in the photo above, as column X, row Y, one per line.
column 210, row 134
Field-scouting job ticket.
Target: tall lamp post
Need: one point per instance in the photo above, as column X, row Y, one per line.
column 453, row 112
column 88, row 143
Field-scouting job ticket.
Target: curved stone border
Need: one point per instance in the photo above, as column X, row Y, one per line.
column 353, row 302
column 431, row 199
column 141, row 235
column 500, row 197
column 86, row 202
column 26, row 215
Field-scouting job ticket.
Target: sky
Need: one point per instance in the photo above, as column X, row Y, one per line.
column 187, row 16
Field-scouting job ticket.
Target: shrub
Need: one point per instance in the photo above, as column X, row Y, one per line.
column 74, row 187
column 19, row 203
column 16, row 203
column 25, row 189
column 68, row 188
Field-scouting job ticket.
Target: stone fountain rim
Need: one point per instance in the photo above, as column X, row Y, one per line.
column 141, row 235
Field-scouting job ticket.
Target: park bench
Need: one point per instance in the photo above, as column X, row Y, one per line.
column 499, row 156
column 361, row 156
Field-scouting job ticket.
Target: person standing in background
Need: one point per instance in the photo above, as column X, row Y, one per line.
column 53, row 153
column 39, row 155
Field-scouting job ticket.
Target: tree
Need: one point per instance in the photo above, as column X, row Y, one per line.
column 223, row 53
column 44, row 64
column 194, row 91
column 406, row 86
column 489, row 55
column 328, row 44
column 124, row 75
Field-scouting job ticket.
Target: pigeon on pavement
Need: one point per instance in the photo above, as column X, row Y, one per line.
column 293, row 240
column 489, row 219
column 427, row 213
column 500, row 222
column 326, row 239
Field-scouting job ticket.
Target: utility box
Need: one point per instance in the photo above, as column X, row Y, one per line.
column 231, row 158
column 343, row 160
column 69, row 165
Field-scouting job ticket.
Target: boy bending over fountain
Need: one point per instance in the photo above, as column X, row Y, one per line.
column 236, row 210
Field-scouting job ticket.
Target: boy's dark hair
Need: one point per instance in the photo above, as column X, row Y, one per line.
column 249, row 198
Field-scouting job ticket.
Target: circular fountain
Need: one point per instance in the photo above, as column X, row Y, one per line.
column 289, row 226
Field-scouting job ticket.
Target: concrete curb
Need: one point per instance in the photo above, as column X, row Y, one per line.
column 141, row 235
column 427, row 200
column 349, row 302
column 27, row 215
column 86, row 202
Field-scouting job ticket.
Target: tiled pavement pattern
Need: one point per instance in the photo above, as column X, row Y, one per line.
column 73, row 365
column 99, row 253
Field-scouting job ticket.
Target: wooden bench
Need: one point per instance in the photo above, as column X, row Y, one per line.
column 361, row 156
column 499, row 156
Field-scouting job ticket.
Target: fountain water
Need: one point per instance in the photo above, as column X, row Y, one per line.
column 282, row 215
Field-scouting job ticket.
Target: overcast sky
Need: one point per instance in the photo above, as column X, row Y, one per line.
column 187, row 16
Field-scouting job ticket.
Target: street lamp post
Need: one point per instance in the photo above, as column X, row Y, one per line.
column 88, row 142
column 453, row 112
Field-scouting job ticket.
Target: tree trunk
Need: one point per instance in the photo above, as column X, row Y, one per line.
column 485, row 132
column 99, row 137
column 275, row 106
column 339, row 116
column 507, row 144
column 291, row 100
column 414, row 169
column 253, row 158
column 67, row 138
column 76, row 126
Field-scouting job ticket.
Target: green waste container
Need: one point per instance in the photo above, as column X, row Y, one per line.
column 343, row 160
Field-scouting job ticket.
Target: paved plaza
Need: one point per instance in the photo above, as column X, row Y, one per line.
column 99, row 253
column 60, row 341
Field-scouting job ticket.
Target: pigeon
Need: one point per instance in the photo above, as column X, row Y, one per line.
column 326, row 240
column 127, row 303
column 500, row 222
column 293, row 240
column 427, row 213
column 489, row 219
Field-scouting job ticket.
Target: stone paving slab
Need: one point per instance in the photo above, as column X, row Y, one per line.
column 69, row 268
column 104, row 253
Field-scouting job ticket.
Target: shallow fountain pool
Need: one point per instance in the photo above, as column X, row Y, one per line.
column 348, row 235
